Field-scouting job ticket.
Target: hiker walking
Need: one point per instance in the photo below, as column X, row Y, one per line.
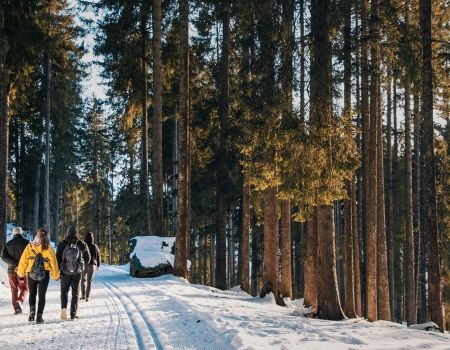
column 91, row 268
column 72, row 255
column 39, row 262
column 11, row 253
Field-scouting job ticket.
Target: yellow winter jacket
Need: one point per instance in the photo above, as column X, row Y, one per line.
column 26, row 261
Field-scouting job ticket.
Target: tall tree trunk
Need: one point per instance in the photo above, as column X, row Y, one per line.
column 371, row 200
column 327, row 287
column 182, row 238
column 287, row 75
column 349, row 297
column 285, row 249
column 157, row 163
column 311, row 261
column 365, row 116
column 270, row 273
column 384, row 308
column 4, row 129
column 410, row 295
column 37, row 196
column 222, row 152
column 302, row 61
column 389, row 193
column 356, row 255
column 57, row 209
column 429, row 171
column 144, row 171
column 48, row 76
column 245, row 247
column 321, row 116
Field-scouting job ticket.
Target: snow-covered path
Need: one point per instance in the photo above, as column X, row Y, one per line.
column 168, row 313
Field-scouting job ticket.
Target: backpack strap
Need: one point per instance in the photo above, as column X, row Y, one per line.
column 36, row 254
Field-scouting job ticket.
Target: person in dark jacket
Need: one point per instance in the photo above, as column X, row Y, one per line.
column 11, row 253
column 72, row 255
column 91, row 268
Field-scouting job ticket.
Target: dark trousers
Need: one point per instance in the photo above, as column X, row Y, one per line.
column 19, row 288
column 86, row 280
column 70, row 282
column 38, row 288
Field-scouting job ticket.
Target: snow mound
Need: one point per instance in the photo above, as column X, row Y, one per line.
column 153, row 251
column 427, row 326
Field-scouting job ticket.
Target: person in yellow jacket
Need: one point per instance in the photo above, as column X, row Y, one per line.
column 40, row 253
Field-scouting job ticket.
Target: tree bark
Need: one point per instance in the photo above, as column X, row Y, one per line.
column 270, row 273
column 356, row 256
column 349, row 296
column 144, row 172
column 429, row 171
column 311, row 261
column 384, row 309
column 371, row 200
column 4, row 129
column 410, row 295
column 365, row 116
column 245, row 248
column 46, row 200
column 222, row 152
column 327, row 287
column 157, row 162
column 389, row 193
column 285, row 249
column 182, row 238
column 287, row 47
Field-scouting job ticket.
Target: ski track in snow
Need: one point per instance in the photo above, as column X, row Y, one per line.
column 166, row 313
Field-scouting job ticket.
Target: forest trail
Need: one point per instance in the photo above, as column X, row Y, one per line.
column 168, row 313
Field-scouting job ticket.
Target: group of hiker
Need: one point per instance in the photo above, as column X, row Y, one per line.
column 31, row 264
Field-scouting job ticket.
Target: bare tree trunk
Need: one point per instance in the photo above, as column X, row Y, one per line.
column 389, row 193
column 182, row 238
column 429, row 171
column 144, row 170
column 287, row 75
column 302, row 61
column 285, row 249
column 48, row 76
column 365, row 116
column 371, row 200
column 222, row 152
column 311, row 261
column 349, row 297
column 270, row 274
column 157, row 162
column 245, row 247
column 410, row 297
column 327, row 287
column 37, row 197
column 4, row 129
column 356, row 255
column 384, row 309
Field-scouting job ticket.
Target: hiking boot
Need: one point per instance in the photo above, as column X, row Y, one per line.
column 64, row 314
column 87, row 299
column 32, row 315
column 17, row 308
column 82, row 297
column 73, row 317
column 39, row 319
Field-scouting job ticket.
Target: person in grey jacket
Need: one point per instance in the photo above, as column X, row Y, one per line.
column 91, row 268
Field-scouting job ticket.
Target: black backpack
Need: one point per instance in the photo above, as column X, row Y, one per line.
column 72, row 262
column 37, row 271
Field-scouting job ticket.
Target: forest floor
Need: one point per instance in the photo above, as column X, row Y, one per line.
column 169, row 313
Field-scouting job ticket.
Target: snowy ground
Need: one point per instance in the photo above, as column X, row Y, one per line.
column 168, row 313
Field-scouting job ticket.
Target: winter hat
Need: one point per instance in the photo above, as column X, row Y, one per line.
column 17, row 230
column 72, row 234
column 89, row 238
